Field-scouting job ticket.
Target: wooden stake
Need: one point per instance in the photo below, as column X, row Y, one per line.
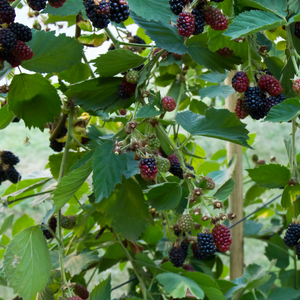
column 236, row 200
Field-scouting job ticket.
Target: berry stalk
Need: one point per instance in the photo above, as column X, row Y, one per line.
column 112, row 37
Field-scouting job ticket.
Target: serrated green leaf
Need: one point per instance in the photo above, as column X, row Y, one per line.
column 225, row 190
column 164, row 196
column 78, row 72
column 214, row 77
column 117, row 61
column 125, row 210
column 294, row 6
column 34, row 99
column 53, row 19
column 52, row 53
column 70, row 7
column 46, row 294
column 164, row 35
column 102, row 290
column 148, row 111
column 6, row 116
column 289, row 195
column 70, row 184
column 6, row 224
column 283, row 293
column 177, row 286
column 217, row 123
column 270, row 176
column 284, row 111
column 253, row 21
column 216, row 90
column 22, row 223
column 24, row 256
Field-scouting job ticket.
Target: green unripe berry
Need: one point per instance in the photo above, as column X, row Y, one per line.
column 132, row 76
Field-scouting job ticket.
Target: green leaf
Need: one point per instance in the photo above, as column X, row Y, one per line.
column 284, row 111
column 270, row 176
column 289, row 195
column 6, row 116
column 177, row 286
column 147, row 9
column 253, row 193
column 294, row 6
column 153, row 234
column 52, row 53
column 22, row 223
column 78, row 72
column 102, row 290
column 70, row 7
column 107, row 170
column 251, row 228
column 46, row 294
column 164, row 196
column 253, row 21
column 283, row 293
column 6, row 224
column 148, row 111
column 217, row 123
column 277, row 249
column 164, row 35
column 117, row 61
column 214, row 77
column 70, row 184
column 95, row 94
column 125, row 210
column 93, row 39
column 225, row 190
column 34, row 99
column 216, row 90
column 24, row 256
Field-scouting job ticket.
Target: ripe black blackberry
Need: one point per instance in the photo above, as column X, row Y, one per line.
column 3, row 176
column 98, row 14
column 175, row 168
column 206, row 243
column 13, row 175
column 119, row 10
column 62, row 132
column 292, row 235
column 52, row 225
column 36, row 4
column 274, row 100
column 136, row 40
column 9, row 158
column 185, row 247
column 21, row 31
column 199, row 19
column 126, row 89
column 197, row 253
column 298, row 250
column 297, row 30
column 57, row 146
column 255, row 102
column 177, row 256
column 176, row 6
column 7, row 13
column 8, row 41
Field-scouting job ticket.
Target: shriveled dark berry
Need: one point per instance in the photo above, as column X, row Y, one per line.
column 274, row 100
column 36, row 4
column 8, row 158
column 255, row 101
column 7, row 13
column 119, row 10
column 98, row 14
column 21, row 31
column 292, row 235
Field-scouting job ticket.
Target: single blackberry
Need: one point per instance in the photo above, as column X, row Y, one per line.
column 22, row 51
column 255, row 102
column 274, row 100
column 21, row 31
column 154, row 143
column 296, row 86
column 163, row 164
column 52, row 225
column 222, row 238
column 297, row 30
column 68, row 222
column 225, row 52
column 56, row 3
column 7, row 13
column 81, row 291
column 148, row 168
column 209, row 183
column 197, row 253
column 13, row 175
column 175, row 168
column 240, row 109
column 206, row 243
column 57, row 146
column 168, row 103
column 177, row 256
column 298, row 250
column 98, row 14
column 8, row 41
column 186, row 223
column 269, row 84
column 132, row 76
column 215, row 19
column 126, row 89
column 292, row 235
column 36, row 4
column 240, row 82
column 119, row 10
column 186, row 24
column 176, row 6
column 199, row 20
column 8, row 158
column 123, row 112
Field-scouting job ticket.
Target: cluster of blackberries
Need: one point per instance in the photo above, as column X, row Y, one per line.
column 38, row 5
column 258, row 100
column 55, row 144
column 192, row 23
column 13, row 37
column 102, row 12
column 7, row 170
column 52, row 225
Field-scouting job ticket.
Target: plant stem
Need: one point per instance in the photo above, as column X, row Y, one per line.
column 87, row 63
column 136, row 45
column 179, row 97
column 112, row 37
column 59, row 127
column 296, row 286
column 78, row 143
column 207, row 207
column 94, row 272
column 29, row 196
column 294, row 153
column 185, row 142
column 254, row 295
column 15, row 3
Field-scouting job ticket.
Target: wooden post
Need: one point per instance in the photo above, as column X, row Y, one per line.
column 236, row 200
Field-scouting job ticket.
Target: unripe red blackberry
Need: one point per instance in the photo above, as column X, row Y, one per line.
column 81, row 291
column 98, row 14
column 177, row 256
column 163, row 164
column 186, row 223
column 206, row 243
column 209, row 185
column 186, row 24
column 56, row 3
column 225, row 52
column 7, row 13
column 132, row 76
column 36, row 4
column 297, row 30
column 215, row 19
column 175, row 168
column 292, row 235
column 22, row 51
column 270, row 84
column 255, row 102
column 274, row 100
column 222, row 237
column 241, row 109
column 177, row 56
column 148, row 168
column 21, row 31
column 123, row 112
column 296, row 86
column 8, row 158
column 119, row 10
column 240, row 82
column 126, row 89
column 168, row 103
